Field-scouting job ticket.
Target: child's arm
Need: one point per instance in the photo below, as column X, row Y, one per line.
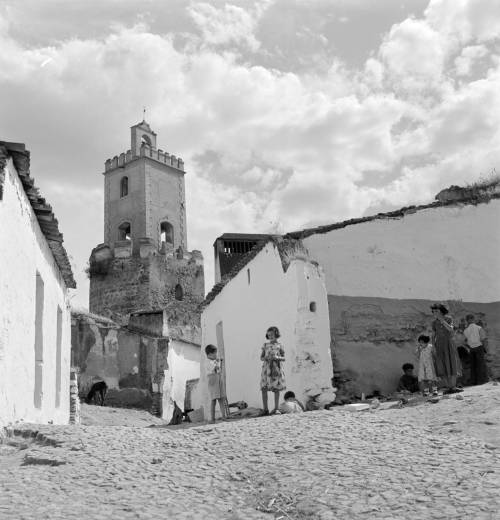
column 263, row 353
column 281, row 356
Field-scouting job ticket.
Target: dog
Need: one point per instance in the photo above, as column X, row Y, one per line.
column 97, row 393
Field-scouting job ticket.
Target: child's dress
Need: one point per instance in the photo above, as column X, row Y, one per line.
column 213, row 377
column 426, row 367
column 273, row 375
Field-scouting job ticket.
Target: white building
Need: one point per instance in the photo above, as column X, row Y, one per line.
column 274, row 283
column 35, row 333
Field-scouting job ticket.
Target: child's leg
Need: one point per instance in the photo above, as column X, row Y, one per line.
column 212, row 410
column 276, row 399
column 222, row 407
column 264, row 400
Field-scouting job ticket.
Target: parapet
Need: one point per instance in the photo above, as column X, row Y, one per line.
column 158, row 155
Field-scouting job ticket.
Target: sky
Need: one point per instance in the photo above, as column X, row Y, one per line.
column 287, row 113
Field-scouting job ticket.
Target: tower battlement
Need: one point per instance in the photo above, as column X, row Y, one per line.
column 119, row 161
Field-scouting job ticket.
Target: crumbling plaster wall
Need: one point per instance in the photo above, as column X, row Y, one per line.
column 382, row 275
column 23, row 254
column 139, row 370
column 259, row 296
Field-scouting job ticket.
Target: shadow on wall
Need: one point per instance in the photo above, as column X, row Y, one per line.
column 373, row 337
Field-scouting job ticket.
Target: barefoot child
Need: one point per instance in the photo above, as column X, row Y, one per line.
column 214, row 381
column 426, row 371
column 273, row 376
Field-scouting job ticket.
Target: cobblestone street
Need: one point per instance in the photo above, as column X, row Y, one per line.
column 425, row 462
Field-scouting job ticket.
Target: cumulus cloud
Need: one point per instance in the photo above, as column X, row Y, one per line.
column 265, row 148
column 228, row 24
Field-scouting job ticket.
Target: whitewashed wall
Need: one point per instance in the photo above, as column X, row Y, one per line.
column 383, row 275
column 441, row 253
column 24, row 252
column 183, row 364
column 247, row 309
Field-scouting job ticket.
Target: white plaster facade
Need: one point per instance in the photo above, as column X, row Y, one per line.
column 442, row 253
column 183, row 365
column 259, row 296
column 34, row 380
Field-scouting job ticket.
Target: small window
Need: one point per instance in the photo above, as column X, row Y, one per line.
column 179, row 292
column 248, row 276
column 124, row 187
column 166, row 233
column 312, row 306
column 124, row 231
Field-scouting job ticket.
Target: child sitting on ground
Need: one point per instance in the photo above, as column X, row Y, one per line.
column 426, row 370
column 214, row 381
column 408, row 382
column 291, row 404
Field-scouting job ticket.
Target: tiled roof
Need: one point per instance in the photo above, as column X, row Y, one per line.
column 43, row 211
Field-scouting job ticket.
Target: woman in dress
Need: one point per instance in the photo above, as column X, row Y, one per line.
column 273, row 376
column 445, row 350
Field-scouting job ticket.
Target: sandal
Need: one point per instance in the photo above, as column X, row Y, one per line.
column 264, row 412
column 275, row 412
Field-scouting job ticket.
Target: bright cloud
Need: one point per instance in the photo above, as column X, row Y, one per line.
column 265, row 147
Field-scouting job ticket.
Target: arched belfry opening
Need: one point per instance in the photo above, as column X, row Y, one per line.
column 166, row 233
column 145, row 140
column 124, row 187
column 125, row 231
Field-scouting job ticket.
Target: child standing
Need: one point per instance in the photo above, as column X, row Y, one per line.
column 426, row 371
column 477, row 344
column 214, row 381
column 273, row 376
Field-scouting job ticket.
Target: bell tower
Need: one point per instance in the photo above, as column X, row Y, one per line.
column 144, row 194
column 143, row 263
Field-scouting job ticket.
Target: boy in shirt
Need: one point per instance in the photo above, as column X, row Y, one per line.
column 477, row 344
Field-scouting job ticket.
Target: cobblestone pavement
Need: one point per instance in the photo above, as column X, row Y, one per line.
column 411, row 463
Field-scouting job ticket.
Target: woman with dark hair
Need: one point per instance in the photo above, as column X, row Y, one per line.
column 445, row 350
column 273, row 376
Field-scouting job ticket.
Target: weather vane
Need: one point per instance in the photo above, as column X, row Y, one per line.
column 144, row 113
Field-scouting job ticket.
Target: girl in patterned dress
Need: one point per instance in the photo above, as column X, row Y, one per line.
column 273, row 376
column 426, row 370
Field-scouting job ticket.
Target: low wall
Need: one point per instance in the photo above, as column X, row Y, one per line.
column 373, row 337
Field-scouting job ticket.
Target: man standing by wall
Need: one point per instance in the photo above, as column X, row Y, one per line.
column 478, row 343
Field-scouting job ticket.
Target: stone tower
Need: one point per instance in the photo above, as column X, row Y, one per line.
column 143, row 263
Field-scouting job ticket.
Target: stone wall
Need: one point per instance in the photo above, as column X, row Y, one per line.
column 373, row 337
column 121, row 284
